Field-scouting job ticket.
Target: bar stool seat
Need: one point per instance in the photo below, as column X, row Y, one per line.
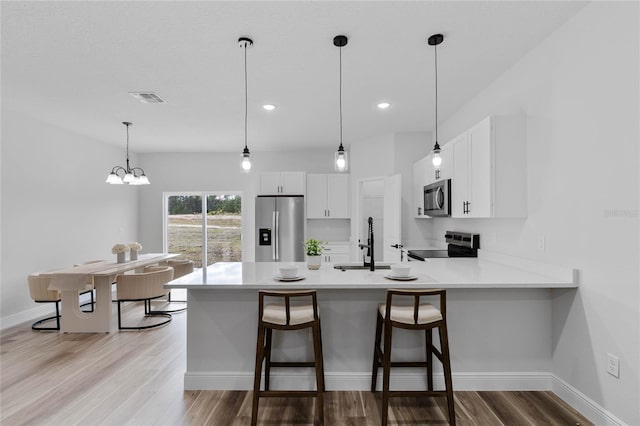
column 426, row 313
column 277, row 314
column 416, row 316
column 287, row 316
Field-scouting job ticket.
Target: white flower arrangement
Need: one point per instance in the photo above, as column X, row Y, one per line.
column 135, row 246
column 119, row 248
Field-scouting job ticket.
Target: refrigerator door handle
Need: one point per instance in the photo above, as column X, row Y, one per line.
column 274, row 236
column 277, row 246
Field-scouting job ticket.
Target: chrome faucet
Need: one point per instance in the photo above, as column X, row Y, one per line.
column 369, row 247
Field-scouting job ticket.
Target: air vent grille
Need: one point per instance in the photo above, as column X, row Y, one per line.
column 148, row 97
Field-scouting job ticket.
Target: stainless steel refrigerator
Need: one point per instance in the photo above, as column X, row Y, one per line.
column 280, row 228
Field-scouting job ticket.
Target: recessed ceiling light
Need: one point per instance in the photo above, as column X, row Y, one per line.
column 384, row 105
column 269, row 107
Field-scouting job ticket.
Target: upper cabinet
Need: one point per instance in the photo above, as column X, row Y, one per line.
column 328, row 196
column 489, row 169
column 282, row 183
column 419, row 181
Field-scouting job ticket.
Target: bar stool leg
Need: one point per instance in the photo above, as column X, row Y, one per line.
column 257, row 375
column 429, row 344
column 446, row 364
column 376, row 349
column 386, row 373
column 267, row 359
column 321, row 355
column 317, row 349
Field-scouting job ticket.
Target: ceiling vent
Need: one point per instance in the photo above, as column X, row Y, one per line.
column 148, row 97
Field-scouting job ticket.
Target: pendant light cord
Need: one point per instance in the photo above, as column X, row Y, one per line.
column 340, row 97
column 435, row 50
column 128, row 169
column 245, row 97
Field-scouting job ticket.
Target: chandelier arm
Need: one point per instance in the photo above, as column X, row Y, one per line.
column 137, row 168
column 116, row 169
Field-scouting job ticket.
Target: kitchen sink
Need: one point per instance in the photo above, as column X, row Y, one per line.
column 359, row 266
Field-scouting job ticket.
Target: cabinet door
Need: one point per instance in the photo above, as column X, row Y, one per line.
column 480, row 172
column 270, row 183
column 293, row 183
column 338, row 196
column 316, row 196
column 460, row 179
column 420, row 171
column 446, row 168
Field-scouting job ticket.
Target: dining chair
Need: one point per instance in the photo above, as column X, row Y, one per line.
column 143, row 287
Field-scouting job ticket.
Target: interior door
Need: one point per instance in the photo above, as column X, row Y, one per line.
column 392, row 202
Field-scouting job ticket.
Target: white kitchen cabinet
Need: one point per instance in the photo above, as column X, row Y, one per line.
column 282, row 183
column 328, row 196
column 489, row 169
column 419, row 181
column 336, row 253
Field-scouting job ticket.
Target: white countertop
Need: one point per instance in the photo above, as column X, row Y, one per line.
column 442, row 273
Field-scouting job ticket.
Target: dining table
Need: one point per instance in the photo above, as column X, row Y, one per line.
column 71, row 281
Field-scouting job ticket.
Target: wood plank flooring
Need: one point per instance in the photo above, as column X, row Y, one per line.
column 136, row 378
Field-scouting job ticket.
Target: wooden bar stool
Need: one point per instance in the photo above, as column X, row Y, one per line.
column 287, row 316
column 418, row 316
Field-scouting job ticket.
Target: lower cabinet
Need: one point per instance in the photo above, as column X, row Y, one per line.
column 336, row 253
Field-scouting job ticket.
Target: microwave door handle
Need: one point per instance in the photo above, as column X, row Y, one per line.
column 439, row 198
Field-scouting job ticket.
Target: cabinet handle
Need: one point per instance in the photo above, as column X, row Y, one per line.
column 419, row 211
column 328, row 213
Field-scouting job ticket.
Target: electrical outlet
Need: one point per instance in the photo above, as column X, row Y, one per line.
column 613, row 365
column 541, row 242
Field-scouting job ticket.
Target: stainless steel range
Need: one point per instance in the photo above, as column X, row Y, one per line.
column 459, row 244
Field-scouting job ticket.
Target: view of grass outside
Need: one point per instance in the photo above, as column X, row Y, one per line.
column 224, row 228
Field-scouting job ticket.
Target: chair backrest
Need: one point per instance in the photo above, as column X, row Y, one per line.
column 180, row 267
column 286, row 296
column 416, row 294
column 39, row 289
column 144, row 285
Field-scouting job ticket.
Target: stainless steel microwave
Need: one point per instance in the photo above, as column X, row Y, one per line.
column 437, row 198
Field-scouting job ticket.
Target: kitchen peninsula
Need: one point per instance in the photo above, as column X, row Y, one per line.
column 499, row 319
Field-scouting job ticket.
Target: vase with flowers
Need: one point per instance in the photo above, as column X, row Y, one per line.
column 134, row 248
column 120, row 250
column 314, row 250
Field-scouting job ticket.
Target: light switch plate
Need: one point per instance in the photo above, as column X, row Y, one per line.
column 613, row 365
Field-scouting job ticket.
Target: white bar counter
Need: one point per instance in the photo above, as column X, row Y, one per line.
column 499, row 319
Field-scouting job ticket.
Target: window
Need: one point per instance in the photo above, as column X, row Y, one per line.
column 215, row 236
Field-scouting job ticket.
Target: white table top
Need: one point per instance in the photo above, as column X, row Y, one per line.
column 441, row 273
column 76, row 277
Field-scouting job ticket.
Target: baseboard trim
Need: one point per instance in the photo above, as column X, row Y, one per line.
column 498, row 381
column 362, row 381
column 585, row 405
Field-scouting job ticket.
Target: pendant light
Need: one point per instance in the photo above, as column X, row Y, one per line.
column 434, row 41
column 131, row 175
column 341, row 162
column 245, row 43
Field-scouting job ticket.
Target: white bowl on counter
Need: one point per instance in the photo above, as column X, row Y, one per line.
column 288, row 271
column 400, row 269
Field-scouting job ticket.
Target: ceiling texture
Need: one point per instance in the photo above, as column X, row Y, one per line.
column 73, row 64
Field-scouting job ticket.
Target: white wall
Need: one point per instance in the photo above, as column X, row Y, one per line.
column 579, row 90
column 56, row 209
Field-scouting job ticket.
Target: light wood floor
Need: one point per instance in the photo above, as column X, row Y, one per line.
column 136, row 378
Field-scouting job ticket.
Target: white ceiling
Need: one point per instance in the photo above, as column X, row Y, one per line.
column 73, row 63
